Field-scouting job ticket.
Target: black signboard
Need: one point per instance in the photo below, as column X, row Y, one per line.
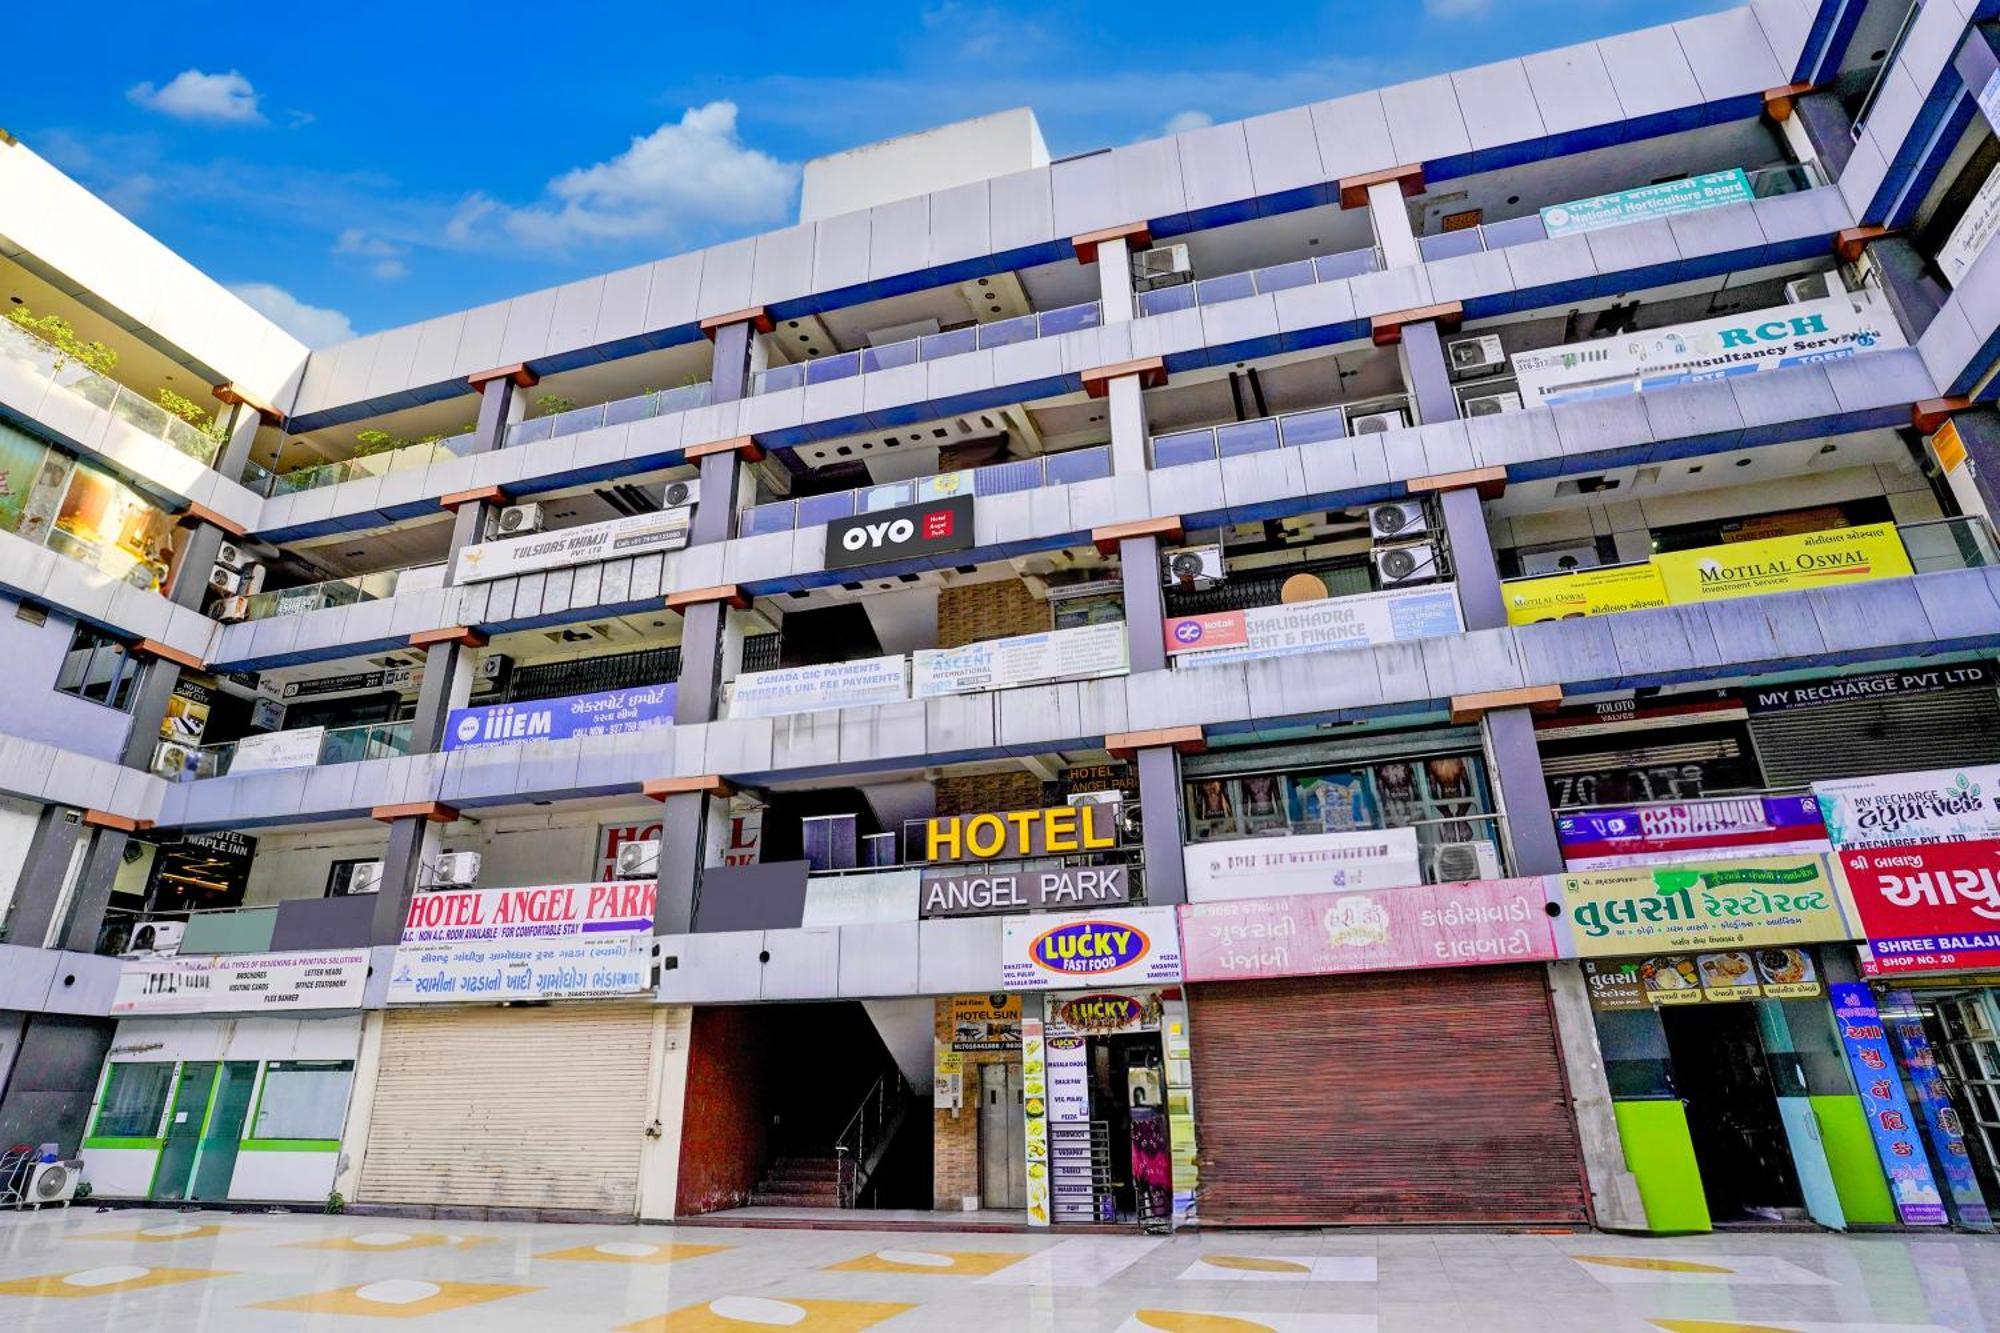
column 1015, row 888
column 929, row 528
column 1876, row 685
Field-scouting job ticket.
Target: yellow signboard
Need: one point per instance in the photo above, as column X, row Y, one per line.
column 1704, row 905
column 1948, row 446
column 1587, row 592
column 1783, row 564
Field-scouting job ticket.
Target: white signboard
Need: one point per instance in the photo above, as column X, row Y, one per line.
column 1968, row 239
column 613, row 539
column 1790, row 335
column 1394, row 615
column 1063, row 654
column 1304, row 863
column 872, row 680
column 546, row 942
column 1943, row 805
column 268, row 750
column 861, row 898
column 1083, row 950
column 261, row 983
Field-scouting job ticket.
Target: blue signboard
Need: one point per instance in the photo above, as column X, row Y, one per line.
column 1941, row 1121
column 1890, row 1120
column 606, row 713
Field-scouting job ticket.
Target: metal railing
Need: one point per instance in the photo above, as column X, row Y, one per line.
column 1875, row 85
column 930, row 347
column 618, row 412
column 1293, row 430
column 995, row 479
column 339, row 745
column 128, row 405
column 859, row 1146
column 1261, row 281
column 319, row 596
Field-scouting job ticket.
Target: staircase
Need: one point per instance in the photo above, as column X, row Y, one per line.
column 799, row 1182
column 839, row 1179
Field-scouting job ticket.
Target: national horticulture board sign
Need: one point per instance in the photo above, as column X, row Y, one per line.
column 1712, row 189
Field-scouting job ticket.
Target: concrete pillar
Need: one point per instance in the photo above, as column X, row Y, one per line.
column 721, row 473
column 699, row 691
column 1913, row 293
column 414, row 843
column 1420, row 353
column 1515, row 762
column 1824, row 123
column 92, row 892
column 233, row 459
column 1615, row 1204
column 1114, row 280
column 1145, row 606
column 1160, row 815
column 685, row 851
column 32, row 913
column 1975, row 482
column 1125, row 411
column 1473, row 567
column 1391, row 220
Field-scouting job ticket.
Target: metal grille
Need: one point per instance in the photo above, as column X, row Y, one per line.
column 1865, row 736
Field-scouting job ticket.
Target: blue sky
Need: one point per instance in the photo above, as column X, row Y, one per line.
column 368, row 165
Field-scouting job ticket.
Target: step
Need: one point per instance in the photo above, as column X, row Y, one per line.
column 760, row 1198
column 806, row 1170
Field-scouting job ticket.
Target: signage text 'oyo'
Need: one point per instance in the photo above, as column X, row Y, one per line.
column 935, row 525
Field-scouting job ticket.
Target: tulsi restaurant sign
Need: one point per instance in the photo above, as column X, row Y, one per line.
column 1703, row 905
column 557, row 941
column 1136, row 947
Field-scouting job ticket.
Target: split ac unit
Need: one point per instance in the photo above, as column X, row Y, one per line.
column 1456, row 862
column 231, row 555
column 53, row 1182
column 495, row 666
column 232, row 610
column 365, row 878
column 1397, row 520
column 456, row 869
column 157, row 939
column 682, row 493
column 1492, row 404
column 520, row 520
column 1194, row 566
column 1378, row 423
column 637, row 860
column 1812, row 287
column 172, row 760
column 225, row 580
column 1473, row 357
column 1400, row 566
column 1161, row 266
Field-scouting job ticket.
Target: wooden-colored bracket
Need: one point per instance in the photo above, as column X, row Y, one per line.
column 1927, row 416
column 522, row 377
column 1387, row 330
column 197, row 512
column 755, row 315
column 154, row 648
column 743, row 446
column 679, row 602
column 1472, row 707
column 489, row 495
column 437, row 812
column 1849, row 242
column 1491, row 482
column 708, row 784
column 105, row 819
column 1184, row 740
column 1151, row 370
column 235, row 396
column 465, row 636
column 1106, row 539
column 1136, row 235
column 1354, row 189
column 1778, row 101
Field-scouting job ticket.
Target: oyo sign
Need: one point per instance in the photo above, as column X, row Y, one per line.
column 891, row 534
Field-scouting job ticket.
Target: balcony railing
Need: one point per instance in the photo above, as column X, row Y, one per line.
column 997, row 479
column 338, row 745
column 128, row 405
column 355, row 469
column 911, row 351
column 1261, row 281
column 616, row 413
column 1294, row 430
column 320, row 596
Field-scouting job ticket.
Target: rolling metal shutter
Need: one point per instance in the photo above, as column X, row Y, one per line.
column 1425, row 1097
column 1860, row 737
column 511, row 1108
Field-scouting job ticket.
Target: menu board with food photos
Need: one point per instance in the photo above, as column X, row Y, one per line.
column 1701, row 978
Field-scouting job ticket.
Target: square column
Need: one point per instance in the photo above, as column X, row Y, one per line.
column 1156, row 756
column 1111, row 249
column 1138, row 548
column 694, row 833
column 1382, row 194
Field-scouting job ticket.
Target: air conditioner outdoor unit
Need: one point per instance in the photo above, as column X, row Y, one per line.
column 365, row 878
column 172, row 760
column 159, row 939
column 637, row 860
column 225, row 580
column 233, row 610
column 1492, row 404
column 520, row 520
column 231, row 555
column 53, row 1182
column 1161, row 266
column 1397, row 520
column 1378, row 423
column 456, row 869
column 1456, row 862
column 1194, row 566
column 494, row 666
column 682, row 493
column 1399, row 566
column 1812, row 287
column 1473, row 357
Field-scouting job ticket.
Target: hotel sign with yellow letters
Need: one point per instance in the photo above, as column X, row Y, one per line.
column 1017, row 835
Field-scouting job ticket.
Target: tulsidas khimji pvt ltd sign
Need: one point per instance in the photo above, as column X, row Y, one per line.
column 1704, row 905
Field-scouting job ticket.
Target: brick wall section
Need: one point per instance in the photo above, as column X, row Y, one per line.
column 981, row 792
column 980, row 611
column 955, row 1139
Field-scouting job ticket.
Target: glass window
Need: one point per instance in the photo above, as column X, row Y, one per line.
column 303, row 1099
column 135, row 1097
column 100, row 669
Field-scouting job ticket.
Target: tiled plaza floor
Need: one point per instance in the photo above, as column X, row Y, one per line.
column 80, row 1270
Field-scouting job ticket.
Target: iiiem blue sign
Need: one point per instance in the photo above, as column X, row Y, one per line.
column 606, row 713
column 1084, row 948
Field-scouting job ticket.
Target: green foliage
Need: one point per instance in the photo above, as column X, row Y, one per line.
column 376, row 442
column 57, row 333
column 550, row 404
column 188, row 410
column 335, row 1202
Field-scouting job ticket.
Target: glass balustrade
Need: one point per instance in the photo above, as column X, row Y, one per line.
column 910, row 351
column 320, row 596
column 1261, row 281
column 1291, row 431
column 128, row 405
column 998, row 479
column 618, row 412
column 337, row 745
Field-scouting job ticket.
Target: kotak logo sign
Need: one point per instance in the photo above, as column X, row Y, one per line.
column 1217, row 629
column 889, row 534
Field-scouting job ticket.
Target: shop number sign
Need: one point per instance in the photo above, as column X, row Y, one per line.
column 1928, row 908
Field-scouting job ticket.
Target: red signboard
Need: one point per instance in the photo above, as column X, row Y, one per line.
column 1930, row 907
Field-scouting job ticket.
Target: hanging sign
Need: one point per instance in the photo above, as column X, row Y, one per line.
column 1640, row 835
column 613, row 539
column 1082, row 653
column 1890, row 1121
column 272, row 750
column 933, row 527
column 260, row 983
column 1931, row 907
column 1969, row 239
column 1141, row 946
column 1104, row 1013
column 1703, row 905
column 604, row 713
column 803, row 689
column 1942, row 805
column 1395, row 615
column 1301, row 863
column 985, row 1022
column 1711, row 189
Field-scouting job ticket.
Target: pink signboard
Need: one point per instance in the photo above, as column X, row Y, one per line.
column 1384, row 930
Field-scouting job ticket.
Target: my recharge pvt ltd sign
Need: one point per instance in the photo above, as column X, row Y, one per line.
column 1018, row 835
column 892, row 534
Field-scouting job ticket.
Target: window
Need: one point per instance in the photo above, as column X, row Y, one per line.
column 303, row 1099
column 135, row 1097
column 100, row 669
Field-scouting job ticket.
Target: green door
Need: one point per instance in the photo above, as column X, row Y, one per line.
column 216, row 1161
column 184, row 1121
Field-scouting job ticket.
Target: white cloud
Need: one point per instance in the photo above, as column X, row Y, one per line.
column 315, row 326
column 226, row 99
column 387, row 256
column 1183, row 121
column 684, row 174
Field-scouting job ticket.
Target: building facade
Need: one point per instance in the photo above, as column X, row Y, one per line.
column 1428, row 657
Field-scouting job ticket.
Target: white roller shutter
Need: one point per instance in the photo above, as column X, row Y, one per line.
column 511, row 1108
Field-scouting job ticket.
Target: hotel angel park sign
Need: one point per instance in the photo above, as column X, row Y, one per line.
column 1016, row 835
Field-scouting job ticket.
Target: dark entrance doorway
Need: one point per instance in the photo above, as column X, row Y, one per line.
column 1724, row 1081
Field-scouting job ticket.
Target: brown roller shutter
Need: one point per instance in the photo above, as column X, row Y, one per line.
column 1427, row 1097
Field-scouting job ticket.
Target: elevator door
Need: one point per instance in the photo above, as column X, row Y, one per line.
column 1003, row 1176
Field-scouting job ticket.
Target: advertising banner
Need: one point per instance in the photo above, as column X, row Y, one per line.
column 930, row 528
column 802, row 689
column 613, row 539
column 861, row 898
column 353, row 682
column 1878, row 685
column 554, row 941
column 993, row 890
column 1783, row 564
column 268, row 751
column 1727, row 826
column 1905, row 1024
column 1790, row 335
column 1303, row 863
column 1062, row 654
column 1035, row 1114
column 1069, row 1079
column 1317, row 934
column 1931, row 907
column 262, row 983
column 1019, row 834
column 1396, row 615
column 1586, row 592
column 1733, row 974
column 1890, row 1121
column 1105, row 1013
column 1709, row 190
column 605, row 713
column 1702, row 905
column 1941, row 805
column 1968, row 240
column 985, row 1022
column 1136, row 947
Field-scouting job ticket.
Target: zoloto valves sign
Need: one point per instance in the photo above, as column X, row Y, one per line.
column 895, row 534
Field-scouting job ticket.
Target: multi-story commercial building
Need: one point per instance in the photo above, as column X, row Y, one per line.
column 1349, row 666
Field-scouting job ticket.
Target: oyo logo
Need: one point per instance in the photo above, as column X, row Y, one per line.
column 1084, row 948
column 1101, row 1013
column 895, row 531
column 1188, row 631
